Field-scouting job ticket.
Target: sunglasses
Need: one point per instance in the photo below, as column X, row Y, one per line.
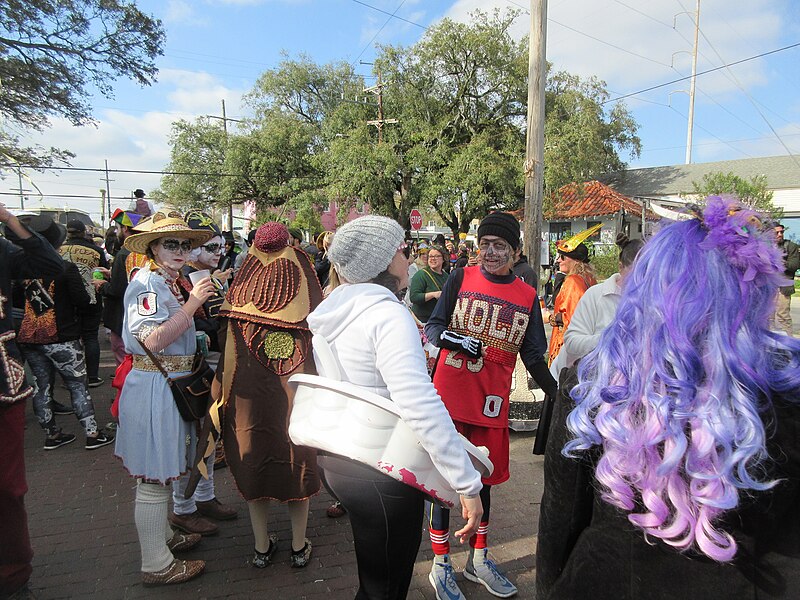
column 405, row 249
column 175, row 246
column 212, row 248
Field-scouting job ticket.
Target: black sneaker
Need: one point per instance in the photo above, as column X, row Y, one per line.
column 62, row 439
column 102, row 439
column 95, row 381
column 60, row 409
column 261, row 560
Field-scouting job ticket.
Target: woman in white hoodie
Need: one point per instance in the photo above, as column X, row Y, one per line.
column 377, row 346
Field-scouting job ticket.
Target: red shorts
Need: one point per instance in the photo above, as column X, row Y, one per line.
column 496, row 440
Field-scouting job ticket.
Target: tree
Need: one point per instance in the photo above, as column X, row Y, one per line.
column 53, row 52
column 753, row 192
column 271, row 164
column 582, row 140
column 459, row 95
column 196, row 167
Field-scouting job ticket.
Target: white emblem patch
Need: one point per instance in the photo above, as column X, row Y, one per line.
column 147, row 304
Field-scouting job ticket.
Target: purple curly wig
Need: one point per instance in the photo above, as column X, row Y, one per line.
column 675, row 392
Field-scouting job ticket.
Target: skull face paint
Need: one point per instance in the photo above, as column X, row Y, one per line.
column 496, row 254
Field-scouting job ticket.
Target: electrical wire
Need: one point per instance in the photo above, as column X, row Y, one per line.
column 391, row 15
column 377, row 33
column 738, row 62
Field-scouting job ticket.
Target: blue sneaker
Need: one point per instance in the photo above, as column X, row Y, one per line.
column 482, row 570
column 443, row 579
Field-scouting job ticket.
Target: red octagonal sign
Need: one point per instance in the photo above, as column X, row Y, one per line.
column 416, row 219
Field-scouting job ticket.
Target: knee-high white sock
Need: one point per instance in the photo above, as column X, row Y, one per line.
column 298, row 513
column 259, row 512
column 150, row 514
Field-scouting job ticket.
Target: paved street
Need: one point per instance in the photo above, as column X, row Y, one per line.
column 80, row 508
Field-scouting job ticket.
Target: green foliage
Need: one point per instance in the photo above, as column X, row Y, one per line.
column 605, row 260
column 459, row 97
column 197, row 160
column 582, row 139
column 53, row 53
column 753, row 192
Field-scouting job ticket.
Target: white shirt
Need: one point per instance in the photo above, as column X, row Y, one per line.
column 594, row 312
column 378, row 347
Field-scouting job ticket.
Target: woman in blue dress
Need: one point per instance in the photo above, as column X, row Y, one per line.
column 153, row 442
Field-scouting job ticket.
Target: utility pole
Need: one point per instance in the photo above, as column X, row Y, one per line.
column 534, row 145
column 377, row 89
column 225, row 120
column 21, row 190
column 103, row 208
column 107, row 195
column 692, row 85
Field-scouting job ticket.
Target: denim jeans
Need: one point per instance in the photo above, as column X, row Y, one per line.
column 67, row 359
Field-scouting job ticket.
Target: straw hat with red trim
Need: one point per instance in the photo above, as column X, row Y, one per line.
column 163, row 224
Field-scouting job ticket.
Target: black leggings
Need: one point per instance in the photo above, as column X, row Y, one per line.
column 386, row 517
column 439, row 517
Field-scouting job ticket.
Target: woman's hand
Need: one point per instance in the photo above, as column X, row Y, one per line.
column 203, row 290
column 432, row 295
column 223, row 276
column 472, row 511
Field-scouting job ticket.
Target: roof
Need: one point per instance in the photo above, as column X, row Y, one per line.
column 782, row 172
column 595, row 200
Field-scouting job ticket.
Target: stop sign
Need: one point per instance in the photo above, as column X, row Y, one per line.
column 416, row 219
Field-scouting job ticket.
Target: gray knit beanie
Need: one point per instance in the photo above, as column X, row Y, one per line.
column 363, row 248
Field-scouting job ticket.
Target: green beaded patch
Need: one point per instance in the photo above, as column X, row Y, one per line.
column 278, row 344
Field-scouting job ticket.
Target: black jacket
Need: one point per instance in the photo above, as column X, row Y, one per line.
column 525, row 272
column 33, row 257
column 113, row 293
column 53, row 307
column 588, row 549
column 791, row 261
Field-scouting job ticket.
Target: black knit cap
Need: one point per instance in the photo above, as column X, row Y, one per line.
column 581, row 253
column 501, row 224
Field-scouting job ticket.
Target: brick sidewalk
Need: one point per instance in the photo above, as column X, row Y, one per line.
column 80, row 510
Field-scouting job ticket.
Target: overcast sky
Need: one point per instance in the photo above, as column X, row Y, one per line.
column 216, row 49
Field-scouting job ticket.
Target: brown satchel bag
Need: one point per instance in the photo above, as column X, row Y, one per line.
column 192, row 392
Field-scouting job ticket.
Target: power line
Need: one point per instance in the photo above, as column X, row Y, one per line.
column 636, row 10
column 620, row 48
column 660, row 85
column 142, row 172
column 391, row 15
column 377, row 33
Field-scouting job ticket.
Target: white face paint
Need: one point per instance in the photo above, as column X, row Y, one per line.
column 211, row 252
column 171, row 252
column 496, row 255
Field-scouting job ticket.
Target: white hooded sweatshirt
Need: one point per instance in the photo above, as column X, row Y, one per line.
column 377, row 345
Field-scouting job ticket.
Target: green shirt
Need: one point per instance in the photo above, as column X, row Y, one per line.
column 424, row 281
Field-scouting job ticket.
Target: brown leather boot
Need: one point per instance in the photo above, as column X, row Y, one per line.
column 193, row 523
column 214, row 509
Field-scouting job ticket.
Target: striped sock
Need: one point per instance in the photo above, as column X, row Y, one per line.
column 440, row 541
column 478, row 540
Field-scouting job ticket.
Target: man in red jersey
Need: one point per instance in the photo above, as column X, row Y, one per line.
column 484, row 318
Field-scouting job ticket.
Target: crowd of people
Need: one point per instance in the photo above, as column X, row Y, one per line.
column 670, row 465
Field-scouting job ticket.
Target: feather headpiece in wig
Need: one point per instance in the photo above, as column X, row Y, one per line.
column 675, row 392
column 570, row 244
